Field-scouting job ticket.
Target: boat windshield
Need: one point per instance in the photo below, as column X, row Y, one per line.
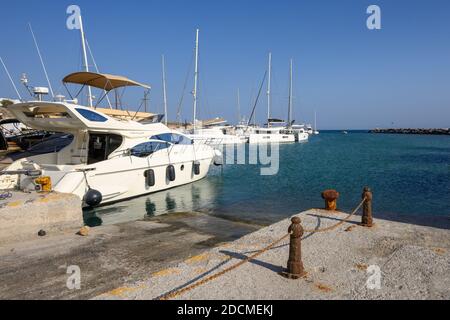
column 173, row 138
column 143, row 150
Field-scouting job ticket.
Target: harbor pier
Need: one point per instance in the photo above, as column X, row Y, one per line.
column 198, row 256
column 391, row 260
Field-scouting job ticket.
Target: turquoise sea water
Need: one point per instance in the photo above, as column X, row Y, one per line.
column 408, row 174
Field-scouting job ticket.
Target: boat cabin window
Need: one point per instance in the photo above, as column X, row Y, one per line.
column 143, row 150
column 102, row 145
column 54, row 143
column 173, row 138
column 91, row 115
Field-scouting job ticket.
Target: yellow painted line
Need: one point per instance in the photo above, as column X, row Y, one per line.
column 166, row 272
column 15, row 204
column 120, row 292
column 197, row 259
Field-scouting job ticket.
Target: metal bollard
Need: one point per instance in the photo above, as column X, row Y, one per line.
column 367, row 219
column 330, row 197
column 295, row 268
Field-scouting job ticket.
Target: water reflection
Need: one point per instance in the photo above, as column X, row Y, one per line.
column 188, row 198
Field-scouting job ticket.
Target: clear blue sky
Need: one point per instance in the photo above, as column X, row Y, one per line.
column 354, row 78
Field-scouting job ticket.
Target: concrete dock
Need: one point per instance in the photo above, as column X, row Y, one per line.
column 23, row 215
column 110, row 256
column 148, row 259
column 414, row 262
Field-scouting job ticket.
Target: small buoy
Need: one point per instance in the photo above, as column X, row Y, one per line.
column 196, row 168
column 93, row 198
column 42, row 233
column 171, row 173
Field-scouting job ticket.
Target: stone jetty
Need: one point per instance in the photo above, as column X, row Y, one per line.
column 443, row 131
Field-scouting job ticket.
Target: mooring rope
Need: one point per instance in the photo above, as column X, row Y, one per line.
column 346, row 219
column 179, row 292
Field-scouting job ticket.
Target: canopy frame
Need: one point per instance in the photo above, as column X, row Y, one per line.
column 105, row 82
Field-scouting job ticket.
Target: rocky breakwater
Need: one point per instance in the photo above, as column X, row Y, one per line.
column 444, row 131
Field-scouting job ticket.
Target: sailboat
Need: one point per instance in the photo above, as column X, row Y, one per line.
column 299, row 132
column 275, row 130
column 316, row 132
column 214, row 133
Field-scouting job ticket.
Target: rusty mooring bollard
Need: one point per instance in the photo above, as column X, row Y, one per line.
column 367, row 219
column 295, row 268
column 330, row 197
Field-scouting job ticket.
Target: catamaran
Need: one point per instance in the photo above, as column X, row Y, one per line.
column 108, row 159
column 271, row 134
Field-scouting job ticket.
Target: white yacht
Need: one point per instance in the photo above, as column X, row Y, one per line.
column 270, row 135
column 300, row 133
column 215, row 133
column 109, row 159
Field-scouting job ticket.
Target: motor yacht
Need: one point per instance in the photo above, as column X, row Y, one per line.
column 108, row 159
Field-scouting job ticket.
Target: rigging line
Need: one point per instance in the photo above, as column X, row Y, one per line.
column 42, row 60
column 98, row 71
column 184, row 89
column 10, row 79
column 257, row 99
column 138, row 110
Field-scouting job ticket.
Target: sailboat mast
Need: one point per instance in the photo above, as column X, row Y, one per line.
column 42, row 61
column 196, row 80
column 290, row 95
column 164, row 88
column 85, row 59
column 239, row 104
column 269, row 89
column 315, row 121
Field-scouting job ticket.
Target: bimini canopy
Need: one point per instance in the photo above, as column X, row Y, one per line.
column 106, row 82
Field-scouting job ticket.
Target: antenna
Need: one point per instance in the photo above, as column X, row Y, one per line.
column 85, row 59
column 164, row 88
column 42, row 61
column 196, row 81
column 10, row 79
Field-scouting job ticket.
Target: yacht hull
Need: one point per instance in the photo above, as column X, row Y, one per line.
column 117, row 179
column 271, row 138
